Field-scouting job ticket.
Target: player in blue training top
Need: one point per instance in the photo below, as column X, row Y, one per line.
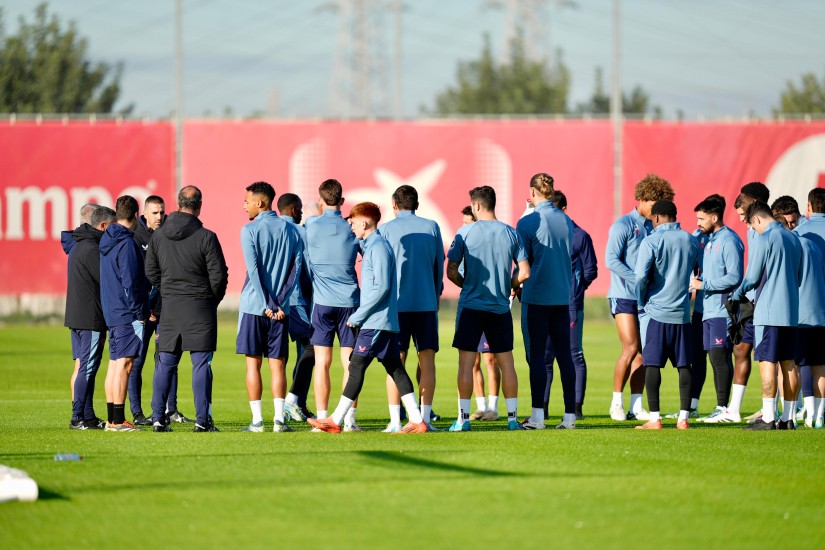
column 376, row 321
column 722, row 261
column 290, row 208
column 810, row 353
column 786, row 211
column 777, row 259
column 585, row 271
column 331, row 251
column 272, row 255
column 488, row 248
column 626, row 234
column 547, row 236
column 743, row 343
column 814, row 231
column 664, row 266
column 419, row 257
column 124, row 298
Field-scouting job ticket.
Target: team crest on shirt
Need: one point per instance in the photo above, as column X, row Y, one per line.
column 637, row 231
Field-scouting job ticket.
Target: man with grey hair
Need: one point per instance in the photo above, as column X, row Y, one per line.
column 185, row 263
column 84, row 315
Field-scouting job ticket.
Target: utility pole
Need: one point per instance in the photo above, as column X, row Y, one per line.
column 361, row 83
column 178, row 94
column 616, row 116
column 398, row 99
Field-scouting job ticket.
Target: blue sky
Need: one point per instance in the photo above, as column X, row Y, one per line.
column 706, row 58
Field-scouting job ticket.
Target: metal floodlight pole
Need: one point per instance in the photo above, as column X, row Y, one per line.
column 178, row 94
column 616, row 112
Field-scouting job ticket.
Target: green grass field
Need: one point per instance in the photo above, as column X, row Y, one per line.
column 602, row 485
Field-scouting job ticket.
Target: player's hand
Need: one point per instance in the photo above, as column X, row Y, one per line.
column 696, row 284
column 269, row 313
column 278, row 315
column 153, row 317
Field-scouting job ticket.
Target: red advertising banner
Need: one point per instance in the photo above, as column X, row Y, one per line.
column 701, row 159
column 48, row 171
column 442, row 160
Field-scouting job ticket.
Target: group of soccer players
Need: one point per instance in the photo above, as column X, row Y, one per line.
column 774, row 307
column 301, row 284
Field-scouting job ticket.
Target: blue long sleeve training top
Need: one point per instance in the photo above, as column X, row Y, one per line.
column 812, row 285
column 271, row 253
column 585, row 266
column 298, row 297
column 698, row 296
column 419, row 260
column 488, row 249
column 777, row 257
column 626, row 234
column 547, row 236
column 332, row 250
column 665, row 263
column 379, row 295
column 722, row 271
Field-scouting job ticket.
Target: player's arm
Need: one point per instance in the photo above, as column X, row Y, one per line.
column 453, row 274
column 616, row 243
column 151, row 266
column 590, row 263
column 757, row 260
column 373, row 289
column 644, row 261
column 250, row 258
column 521, row 257
column 438, row 267
column 291, row 281
column 130, row 278
column 216, row 267
column 454, row 258
column 732, row 258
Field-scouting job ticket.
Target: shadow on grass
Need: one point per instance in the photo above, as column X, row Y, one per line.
column 406, row 460
column 46, row 494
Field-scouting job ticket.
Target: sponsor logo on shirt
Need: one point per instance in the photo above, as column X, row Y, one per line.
column 362, row 349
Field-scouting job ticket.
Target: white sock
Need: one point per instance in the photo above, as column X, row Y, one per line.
column 617, row 399
column 411, row 404
column 257, row 416
column 395, row 414
column 341, row 410
column 694, row 404
column 809, row 406
column 537, row 416
column 279, row 409
column 512, row 407
column 788, row 410
column 480, row 403
column 736, row 395
column 683, row 415
column 768, row 409
column 819, row 407
column 569, row 418
column 654, row 416
column 426, row 412
column 349, row 418
column 492, row 403
column 210, row 410
column 320, row 415
column 635, row 402
column 292, row 399
column 464, row 410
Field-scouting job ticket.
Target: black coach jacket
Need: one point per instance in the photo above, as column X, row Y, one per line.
column 185, row 262
column 83, row 309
